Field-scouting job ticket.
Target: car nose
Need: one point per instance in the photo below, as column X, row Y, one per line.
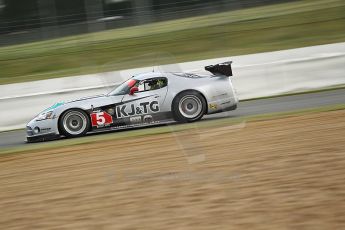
column 40, row 127
column 30, row 127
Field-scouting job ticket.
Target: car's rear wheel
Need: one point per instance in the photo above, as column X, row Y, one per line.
column 74, row 123
column 189, row 106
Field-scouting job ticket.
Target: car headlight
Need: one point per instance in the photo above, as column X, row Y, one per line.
column 45, row 116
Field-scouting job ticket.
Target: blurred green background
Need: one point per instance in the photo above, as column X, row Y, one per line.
column 242, row 31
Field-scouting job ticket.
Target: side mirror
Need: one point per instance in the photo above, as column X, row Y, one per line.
column 133, row 90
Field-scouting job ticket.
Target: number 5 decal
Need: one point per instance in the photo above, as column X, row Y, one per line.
column 101, row 119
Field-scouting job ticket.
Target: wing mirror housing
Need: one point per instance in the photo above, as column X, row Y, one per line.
column 133, row 90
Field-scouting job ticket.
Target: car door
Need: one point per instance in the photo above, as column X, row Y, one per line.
column 146, row 101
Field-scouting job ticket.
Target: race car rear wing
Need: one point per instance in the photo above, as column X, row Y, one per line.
column 222, row 69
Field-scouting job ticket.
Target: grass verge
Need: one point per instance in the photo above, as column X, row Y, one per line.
column 259, row 29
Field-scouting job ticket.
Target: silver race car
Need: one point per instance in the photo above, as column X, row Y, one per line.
column 143, row 100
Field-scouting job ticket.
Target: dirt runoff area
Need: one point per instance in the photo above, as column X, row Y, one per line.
column 283, row 173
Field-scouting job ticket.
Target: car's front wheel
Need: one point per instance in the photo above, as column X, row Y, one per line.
column 189, row 106
column 74, row 123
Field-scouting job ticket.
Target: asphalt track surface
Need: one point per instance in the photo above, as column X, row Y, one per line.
column 246, row 108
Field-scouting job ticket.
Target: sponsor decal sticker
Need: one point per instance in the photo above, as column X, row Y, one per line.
column 213, row 106
column 128, row 110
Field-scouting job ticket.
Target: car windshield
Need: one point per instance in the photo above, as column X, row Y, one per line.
column 123, row 88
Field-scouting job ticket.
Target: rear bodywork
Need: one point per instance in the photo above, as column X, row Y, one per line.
column 142, row 108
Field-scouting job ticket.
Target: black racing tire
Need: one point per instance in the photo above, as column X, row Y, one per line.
column 189, row 106
column 74, row 123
